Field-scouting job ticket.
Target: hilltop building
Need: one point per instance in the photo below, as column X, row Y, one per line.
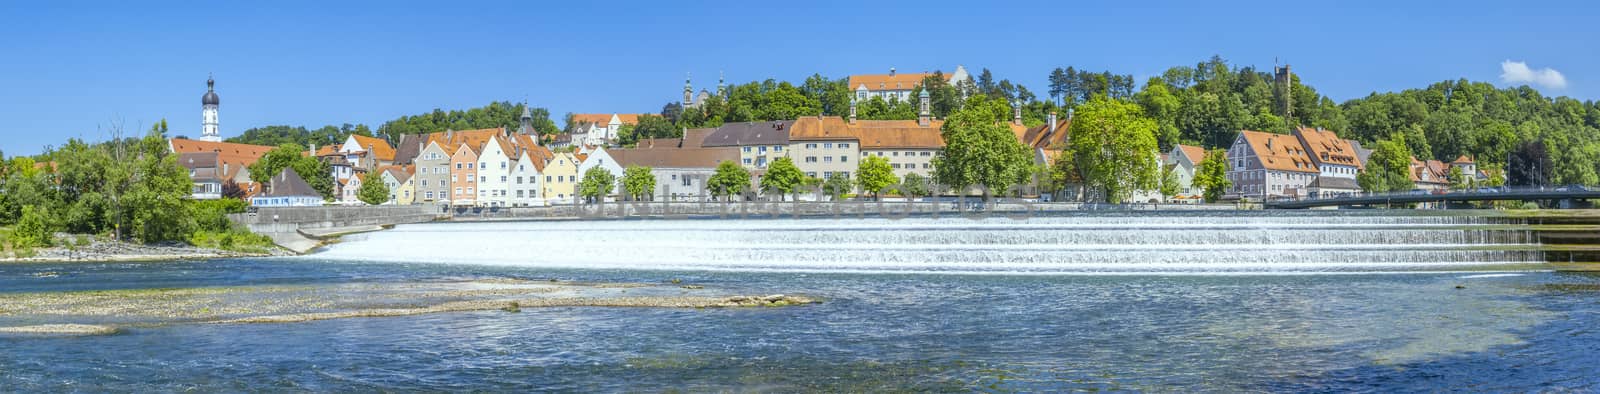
column 896, row 85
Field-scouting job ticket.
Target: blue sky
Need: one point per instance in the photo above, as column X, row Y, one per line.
column 68, row 69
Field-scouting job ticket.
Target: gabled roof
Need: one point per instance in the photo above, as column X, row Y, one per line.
column 748, row 133
column 410, row 147
column 896, row 81
column 1326, row 147
column 1193, row 153
column 1279, row 152
column 604, row 119
column 1435, row 170
column 1462, row 160
column 674, row 158
column 399, row 172
column 695, row 138
column 289, row 184
column 380, row 148
column 236, row 157
column 658, row 143
column 1041, row 136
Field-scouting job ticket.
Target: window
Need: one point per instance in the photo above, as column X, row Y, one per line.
column 453, row 178
column 895, row 166
column 458, row 190
column 674, row 177
column 844, row 159
column 687, row 181
column 502, row 165
column 519, row 180
column 827, row 145
column 811, row 159
column 746, row 149
column 430, row 195
column 844, row 145
column 777, row 148
column 926, row 165
column 458, row 166
column 469, row 166
column 546, row 178
column 895, row 154
column 424, row 182
column 827, row 174
column 926, row 153
column 811, row 146
column 762, row 149
column 865, row 154
column 484, row 165
column 519, row 194
column 746, row 161
column 503, row 178
column 812, row 174
column 827, row 159
column 483, row 179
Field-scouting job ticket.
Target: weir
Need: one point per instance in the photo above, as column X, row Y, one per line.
column 1191, row 243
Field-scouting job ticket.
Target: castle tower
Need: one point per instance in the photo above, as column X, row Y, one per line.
column 208, row 113
column 852, row 110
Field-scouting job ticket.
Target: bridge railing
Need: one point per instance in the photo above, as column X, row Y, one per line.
column 1441, row 194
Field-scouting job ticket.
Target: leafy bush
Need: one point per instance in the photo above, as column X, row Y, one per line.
column 34, row 229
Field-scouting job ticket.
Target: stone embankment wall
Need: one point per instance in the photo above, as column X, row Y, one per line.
column 290, row 219
column 616, row 210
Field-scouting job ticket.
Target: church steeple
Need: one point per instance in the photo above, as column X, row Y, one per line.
column 688, row 91
column 722, row 89
column 208, row 113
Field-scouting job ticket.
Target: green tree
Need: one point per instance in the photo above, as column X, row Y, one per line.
column 914, row 185
column 597, row 183
column 1169, row 182
column 1389, row 167
column 154, row 206
column 313, row 171
column 836, row 187
column 1163, row 107
column 980, row 150
column 639, row 183
column 783, row 178
column 729, row 180
column 35, row 229
column 373, row 191
column 1458, row 180
column 1061, row 172
column 873, row 175
column 1115, row 146
column 1211, row 175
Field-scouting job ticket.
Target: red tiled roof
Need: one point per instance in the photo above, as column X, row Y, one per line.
column 1280, row 152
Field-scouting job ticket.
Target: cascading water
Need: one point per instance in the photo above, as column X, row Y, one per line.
column 1184, row 243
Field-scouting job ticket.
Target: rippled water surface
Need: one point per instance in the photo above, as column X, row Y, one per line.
column 1185, row 303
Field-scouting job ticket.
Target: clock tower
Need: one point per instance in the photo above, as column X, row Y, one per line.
column 208, row 113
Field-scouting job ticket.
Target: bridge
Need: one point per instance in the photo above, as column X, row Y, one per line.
column 1443, row 198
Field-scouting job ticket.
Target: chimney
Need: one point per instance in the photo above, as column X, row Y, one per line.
column 1016, row 112
column 1052, row 122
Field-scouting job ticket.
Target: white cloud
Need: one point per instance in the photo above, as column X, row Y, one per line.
column 1519, row 73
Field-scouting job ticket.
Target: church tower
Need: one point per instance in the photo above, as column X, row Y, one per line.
column 688, row 92
column 208, row 113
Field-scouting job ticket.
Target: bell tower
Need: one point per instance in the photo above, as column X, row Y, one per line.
column 208, row 113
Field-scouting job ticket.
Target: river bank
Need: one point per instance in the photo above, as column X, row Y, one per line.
column 92, row 249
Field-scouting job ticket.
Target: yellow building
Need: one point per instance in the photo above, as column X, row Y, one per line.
column 561, row 178
column 402, row 186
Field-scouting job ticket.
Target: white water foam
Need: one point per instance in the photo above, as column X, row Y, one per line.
column 1075, row 245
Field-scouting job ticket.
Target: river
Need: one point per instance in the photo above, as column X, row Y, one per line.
column 1228, row 302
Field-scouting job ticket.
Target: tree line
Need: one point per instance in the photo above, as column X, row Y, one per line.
column 129, row 189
